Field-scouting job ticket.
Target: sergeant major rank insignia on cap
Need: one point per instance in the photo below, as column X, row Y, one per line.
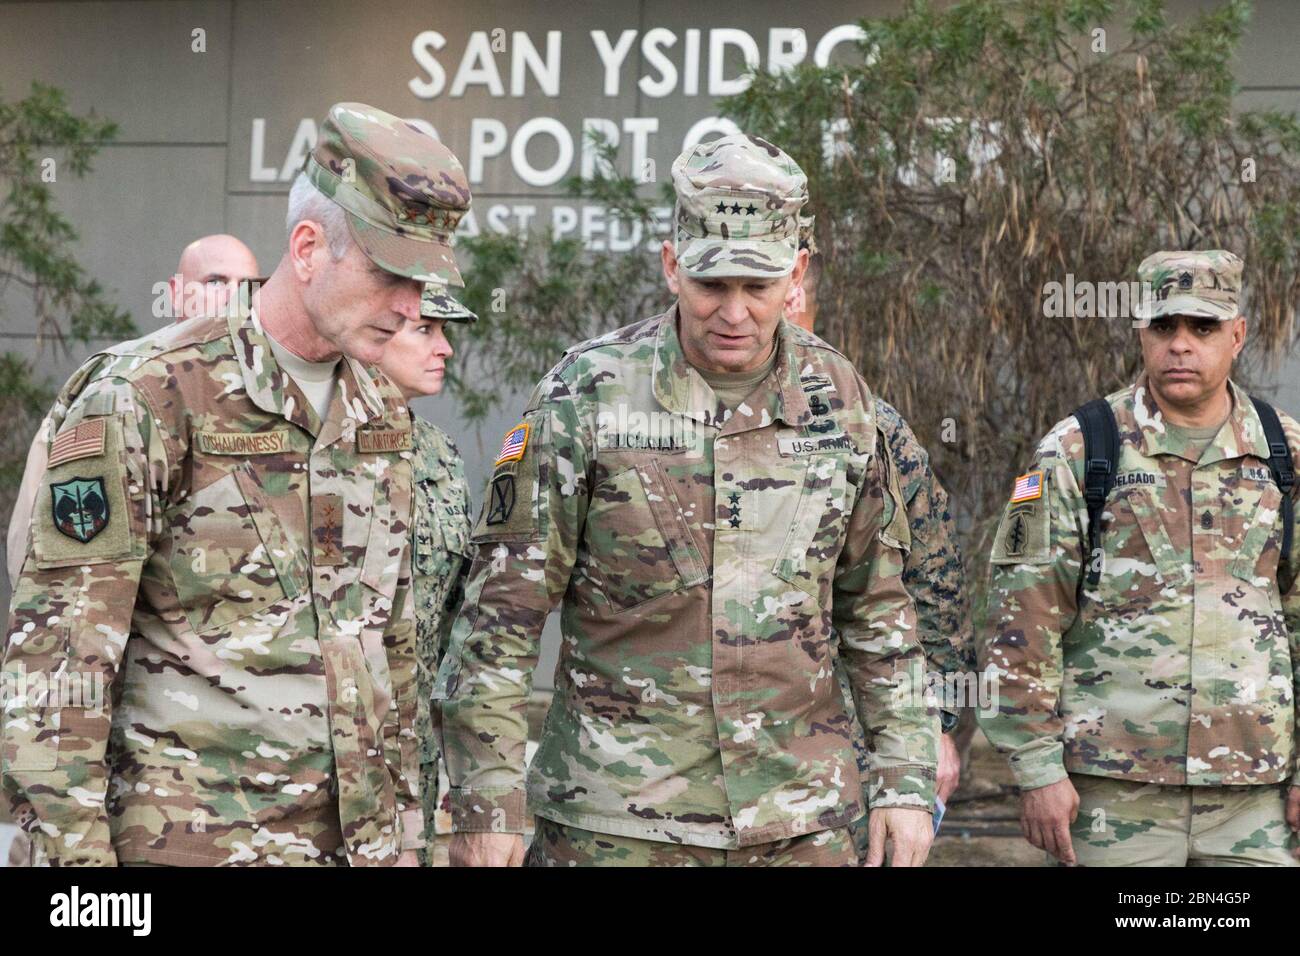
column 1028, row 487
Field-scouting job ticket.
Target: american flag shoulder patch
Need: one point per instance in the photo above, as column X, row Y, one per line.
column 512, row 448
column 84, row 441
column 1027, row 487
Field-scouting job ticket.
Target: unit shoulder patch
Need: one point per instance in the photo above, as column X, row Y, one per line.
column 80, row 507
column 1024, row 535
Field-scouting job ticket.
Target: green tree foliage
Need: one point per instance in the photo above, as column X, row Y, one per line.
column 42, row 145
column 972, row 155
column 538, row 294
column 982, row 151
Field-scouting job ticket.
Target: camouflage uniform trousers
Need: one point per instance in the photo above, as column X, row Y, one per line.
column 555, row 844
column 20, row 850
column 1129, row 823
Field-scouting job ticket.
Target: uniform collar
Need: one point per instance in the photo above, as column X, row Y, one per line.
column 1242, row 433
column 271, row 388
column 679, row 388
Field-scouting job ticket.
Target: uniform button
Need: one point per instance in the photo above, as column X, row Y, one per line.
column 1207, row 520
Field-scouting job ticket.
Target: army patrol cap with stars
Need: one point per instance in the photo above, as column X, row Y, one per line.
column 1204, row 284
column 437, row 302
column 737, row 211
column 404, row 191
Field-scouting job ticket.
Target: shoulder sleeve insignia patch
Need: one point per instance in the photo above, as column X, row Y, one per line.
column 502, row 503
column 1024, row 536
column 80, row 507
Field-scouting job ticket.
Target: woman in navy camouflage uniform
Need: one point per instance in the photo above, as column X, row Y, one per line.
column 416, row 360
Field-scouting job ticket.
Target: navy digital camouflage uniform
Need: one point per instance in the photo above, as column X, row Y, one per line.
column 932, row 574
column 439, row 557
column 440, row 549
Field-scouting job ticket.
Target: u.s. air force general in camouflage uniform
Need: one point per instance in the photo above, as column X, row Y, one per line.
column 708, row 559
column 226, row 575
column 243, row 619
column 1167, row 691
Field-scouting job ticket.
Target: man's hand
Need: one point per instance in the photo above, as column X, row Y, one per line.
column 487, row 849
column 908, row 833
column 408, row 858
column 1293, row 807
column 1045, row 817
column 949, row 774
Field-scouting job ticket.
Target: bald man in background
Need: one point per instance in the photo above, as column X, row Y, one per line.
column 209, row 272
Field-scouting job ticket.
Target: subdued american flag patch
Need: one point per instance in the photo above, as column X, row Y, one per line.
column 1028, row 487
column 83, row 441
column 516, row 440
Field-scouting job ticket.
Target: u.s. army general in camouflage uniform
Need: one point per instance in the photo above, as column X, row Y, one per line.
column 225, row 571
column 708, row 556
column 1166, row 690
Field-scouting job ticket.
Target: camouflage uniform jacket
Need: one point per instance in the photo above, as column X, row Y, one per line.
column 707, row 561
column 932, row 570
column 255, row 643
column 1178, row 668
column 440, row 561
column 932, row 573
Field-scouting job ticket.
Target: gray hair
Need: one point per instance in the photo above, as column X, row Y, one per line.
column 308, row 202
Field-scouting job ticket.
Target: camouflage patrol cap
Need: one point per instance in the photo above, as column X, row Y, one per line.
column 1205, row 284
column 737, row 213
column 436, row 302
column 403, row 190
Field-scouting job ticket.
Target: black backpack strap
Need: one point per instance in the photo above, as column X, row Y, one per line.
column 1100, row 463
column 1283, row 469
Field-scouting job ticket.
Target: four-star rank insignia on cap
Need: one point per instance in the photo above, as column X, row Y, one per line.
column 80, row 507
column 516, row 441
column 1027, row 487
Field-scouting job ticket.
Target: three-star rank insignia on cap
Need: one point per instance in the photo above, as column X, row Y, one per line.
column 80, row 508
column 1027, row 487
column 514, row 445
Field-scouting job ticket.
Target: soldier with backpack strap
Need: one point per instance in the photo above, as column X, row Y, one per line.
column 1142, row 618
